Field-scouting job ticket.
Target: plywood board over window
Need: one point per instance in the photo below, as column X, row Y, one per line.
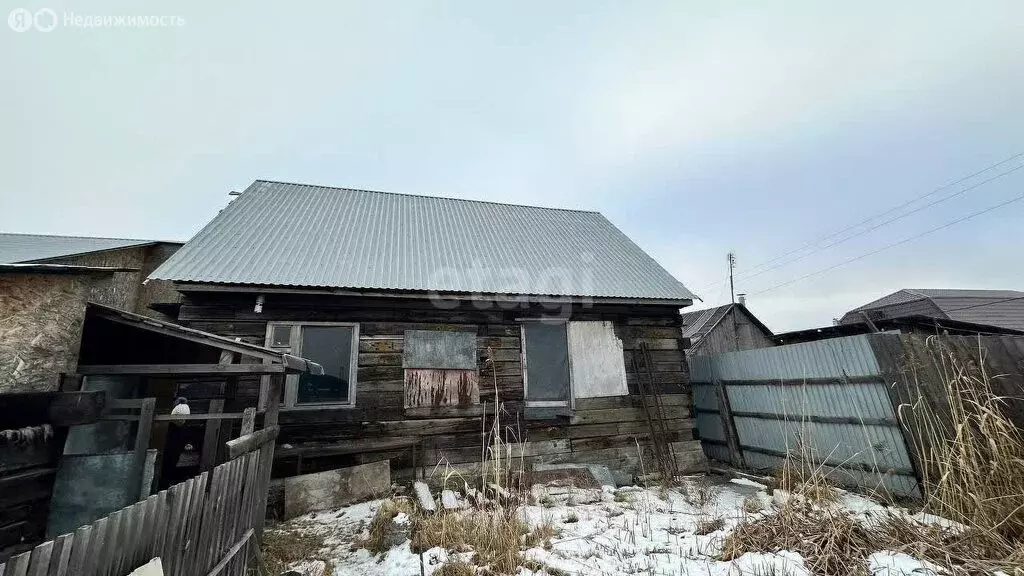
column 440, row 369
column 598, row 368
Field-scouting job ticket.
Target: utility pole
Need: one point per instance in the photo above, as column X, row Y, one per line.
column 731, row 258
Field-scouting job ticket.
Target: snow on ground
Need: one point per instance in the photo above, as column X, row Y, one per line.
column 602, row 532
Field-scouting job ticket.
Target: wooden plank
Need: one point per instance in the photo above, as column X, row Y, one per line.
column 171, row 553
column 61, row 556
column 81, row 544
column 160, row 523
column 250, row 442
column 267, row 453
column 18, row 565
column 379, row 359
column 180, row 369
column 39, row 562
column 232, row 552
column 729, row 426
column 145, row 428
column 248, row 421
column 380, row 345
column 191, row 544
column 208, row 457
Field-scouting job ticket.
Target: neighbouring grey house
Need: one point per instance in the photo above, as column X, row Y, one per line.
column 728, row 328
column 45, row 283
column 993, row 308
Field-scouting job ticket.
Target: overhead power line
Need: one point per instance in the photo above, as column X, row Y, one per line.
column 933, row 192
column 883, row 223
column 750, row 272
column 893, row 245
column 983, row 304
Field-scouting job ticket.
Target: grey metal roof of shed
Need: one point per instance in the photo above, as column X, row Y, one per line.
column 1002, row 308
column 282, row 234
column 17, row 248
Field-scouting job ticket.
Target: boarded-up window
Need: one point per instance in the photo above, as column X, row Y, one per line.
column 440, row 369
column 598, row 367
column 439, row 349
column 547, row 363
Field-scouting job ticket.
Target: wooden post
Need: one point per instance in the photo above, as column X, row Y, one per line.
column 267, row 450
column 141, row 445
column 208, row 458
column 248, row 421
column 729, row 426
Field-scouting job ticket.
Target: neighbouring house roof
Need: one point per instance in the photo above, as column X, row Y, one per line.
column 912, row 323
column 21, row 248
column 699, row 323
column 999, row 308
column 281, row 234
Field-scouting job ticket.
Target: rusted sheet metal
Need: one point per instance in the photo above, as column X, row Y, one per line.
column 431, row 387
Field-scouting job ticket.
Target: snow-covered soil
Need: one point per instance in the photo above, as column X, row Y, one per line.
column 629, row 530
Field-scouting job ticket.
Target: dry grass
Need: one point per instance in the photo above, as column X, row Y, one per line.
column 699, row 492
column 973, row 458
column 708, row 524
column 455, row 568
column 378, row 541
column 542, row 535
column 494, row 535
column 281, row 548
column 752, row 505
column 973, row 469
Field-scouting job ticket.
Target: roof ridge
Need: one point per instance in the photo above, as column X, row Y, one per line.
column 425, row 196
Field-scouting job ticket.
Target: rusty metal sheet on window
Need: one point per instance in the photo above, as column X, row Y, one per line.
column 439, row 349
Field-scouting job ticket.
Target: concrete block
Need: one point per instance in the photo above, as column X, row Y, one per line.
column 335, row 488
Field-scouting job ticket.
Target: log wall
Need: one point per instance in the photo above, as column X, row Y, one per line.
column 601, row 430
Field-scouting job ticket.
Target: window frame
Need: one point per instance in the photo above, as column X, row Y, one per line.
column 571, row 402
column 291, row 385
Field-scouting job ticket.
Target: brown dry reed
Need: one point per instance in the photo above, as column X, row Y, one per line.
column 972, row 461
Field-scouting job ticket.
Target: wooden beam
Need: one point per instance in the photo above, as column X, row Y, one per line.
column 248, row 421
column 208, row 457
column 728, row 425
column 180, row 369
column 250, row 442
column 145, row 428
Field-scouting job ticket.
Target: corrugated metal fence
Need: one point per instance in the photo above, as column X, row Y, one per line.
column 826, row 401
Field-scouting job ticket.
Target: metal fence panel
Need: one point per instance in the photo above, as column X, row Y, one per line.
column 849, row 425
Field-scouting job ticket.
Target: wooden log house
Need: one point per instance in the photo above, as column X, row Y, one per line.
column 431, row 314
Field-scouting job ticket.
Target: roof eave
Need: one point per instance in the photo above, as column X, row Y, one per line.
column 423, row 294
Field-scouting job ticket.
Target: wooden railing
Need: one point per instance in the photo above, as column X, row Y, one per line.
column 206, row 525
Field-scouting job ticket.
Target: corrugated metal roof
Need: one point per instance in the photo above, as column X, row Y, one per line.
column 698, row 322
column 15, row 248
column 282, row 234
column 1002, row 308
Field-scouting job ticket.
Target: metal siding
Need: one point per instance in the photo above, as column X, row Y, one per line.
column 850, row 356
column 299, row 235
column 879, row 446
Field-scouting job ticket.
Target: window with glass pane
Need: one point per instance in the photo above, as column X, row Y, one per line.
column 331, row 347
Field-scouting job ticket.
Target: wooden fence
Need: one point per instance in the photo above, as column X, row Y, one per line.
column 206, row 525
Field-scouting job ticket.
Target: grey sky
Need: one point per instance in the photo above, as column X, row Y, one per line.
column 696, row 127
